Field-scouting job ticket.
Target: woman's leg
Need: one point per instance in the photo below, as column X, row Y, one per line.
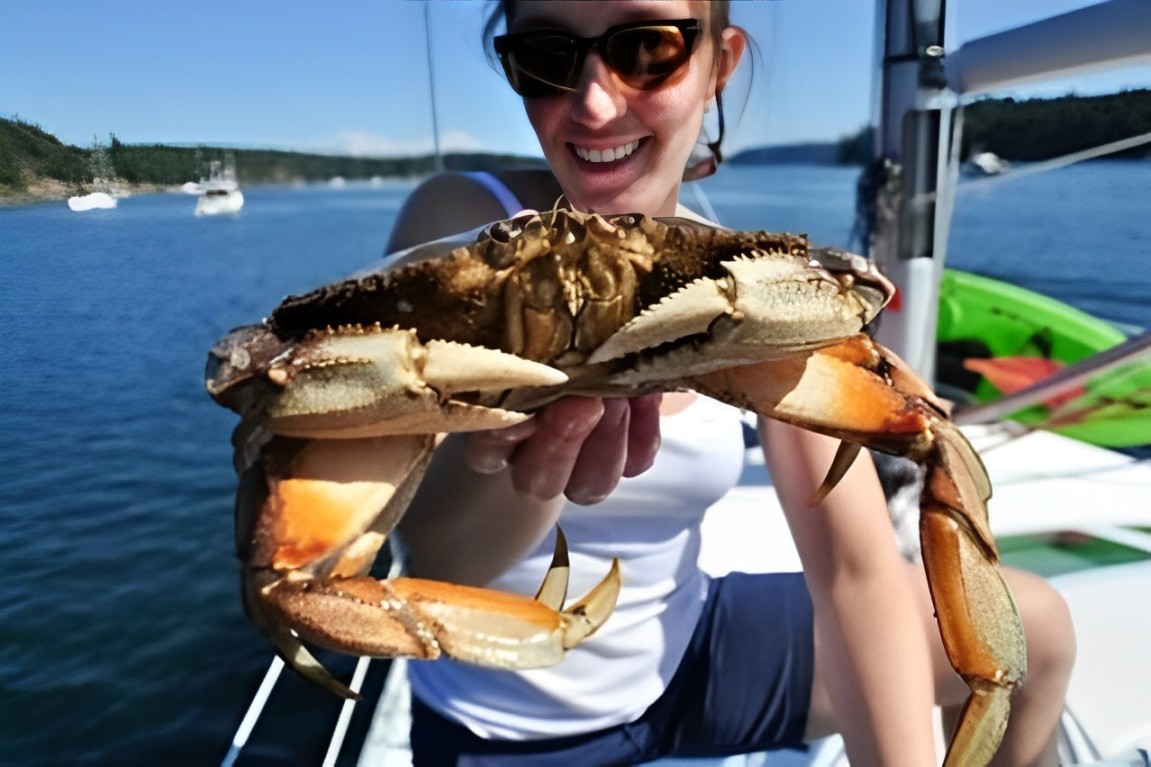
column 1037, row 703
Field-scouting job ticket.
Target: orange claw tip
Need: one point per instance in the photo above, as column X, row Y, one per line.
column 554, row 588
column 588, row 614
column 303, row 662
column 844, row 456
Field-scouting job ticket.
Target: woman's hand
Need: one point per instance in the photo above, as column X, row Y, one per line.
column 578, row 446
column 471, row 520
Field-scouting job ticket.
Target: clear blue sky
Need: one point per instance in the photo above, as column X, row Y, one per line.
column 351, row 75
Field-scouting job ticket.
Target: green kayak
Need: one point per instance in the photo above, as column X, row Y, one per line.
column 992, row 330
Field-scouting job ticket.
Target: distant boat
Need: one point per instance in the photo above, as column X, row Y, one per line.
column 102, row 183
column 218, row 200
column 220, row 193
column 985, row 164
column 91, row 201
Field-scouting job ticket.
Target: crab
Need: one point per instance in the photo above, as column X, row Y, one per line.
column 343, row 391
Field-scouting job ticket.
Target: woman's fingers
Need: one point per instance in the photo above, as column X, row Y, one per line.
column 543, row 463
column 643, row 436
column 577, row 446
column 488, row 452
column 602, row 457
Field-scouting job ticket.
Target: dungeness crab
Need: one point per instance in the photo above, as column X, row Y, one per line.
column 343, row 390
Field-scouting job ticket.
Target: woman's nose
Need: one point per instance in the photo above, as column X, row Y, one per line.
column 598, row 99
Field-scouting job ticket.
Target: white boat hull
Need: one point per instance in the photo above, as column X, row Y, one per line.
column 93, row 201
column 220, row 204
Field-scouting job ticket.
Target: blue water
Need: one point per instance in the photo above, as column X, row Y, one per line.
column 122, row 639
column 1081, row 234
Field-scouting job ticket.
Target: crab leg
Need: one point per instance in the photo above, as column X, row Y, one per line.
column 309, row 525
column 862, row 393
column 417, row 618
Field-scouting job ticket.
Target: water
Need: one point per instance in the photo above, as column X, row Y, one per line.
column 1081, row 234
column 122, row 639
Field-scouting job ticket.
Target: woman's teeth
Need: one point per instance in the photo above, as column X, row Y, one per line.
column 606, row 155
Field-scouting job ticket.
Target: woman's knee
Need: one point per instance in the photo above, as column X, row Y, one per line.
column 1047, row 624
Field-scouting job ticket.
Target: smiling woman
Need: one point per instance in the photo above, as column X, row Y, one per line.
column 687, row 664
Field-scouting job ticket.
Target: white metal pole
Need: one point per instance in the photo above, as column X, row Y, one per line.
column 255, row 708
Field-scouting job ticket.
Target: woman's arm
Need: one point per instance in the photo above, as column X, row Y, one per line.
column 873, row 679
column 490, row 497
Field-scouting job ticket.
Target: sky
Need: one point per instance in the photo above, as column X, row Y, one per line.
column 352, row 76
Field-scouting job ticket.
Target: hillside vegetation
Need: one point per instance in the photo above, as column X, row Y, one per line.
column 1020, row 130
column 28, row 152
column 1040, row 129
column 34, row 163
column 32, row 159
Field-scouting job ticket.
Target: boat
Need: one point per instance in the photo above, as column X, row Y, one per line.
column 1076, row 511
column 91, row 201
column 1051, row 492
column 220, row 192
column 218, row 200
column 995, row 338
column 985, row 164
column 103, row 195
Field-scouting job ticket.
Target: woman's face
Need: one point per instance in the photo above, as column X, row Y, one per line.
column 647, row 135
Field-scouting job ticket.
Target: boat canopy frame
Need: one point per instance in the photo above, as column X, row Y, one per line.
column 907, row 195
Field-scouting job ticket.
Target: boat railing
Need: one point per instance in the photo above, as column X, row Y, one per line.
column 272, row 676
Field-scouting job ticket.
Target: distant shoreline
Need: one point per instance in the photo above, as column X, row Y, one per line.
column 50, row 190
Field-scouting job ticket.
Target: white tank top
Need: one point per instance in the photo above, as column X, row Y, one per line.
column 652, row 523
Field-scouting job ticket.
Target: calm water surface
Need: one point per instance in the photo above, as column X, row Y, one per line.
column 122, row 638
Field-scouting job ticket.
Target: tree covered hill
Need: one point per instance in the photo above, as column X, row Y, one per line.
column 1040, row 129
column 32, row 159
column 1026, row 130
column 28, row 152
column 36, row 164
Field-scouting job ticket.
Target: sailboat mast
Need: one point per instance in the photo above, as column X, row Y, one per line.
column 438, row 158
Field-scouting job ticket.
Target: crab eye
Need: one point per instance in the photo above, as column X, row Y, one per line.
column 504, row 231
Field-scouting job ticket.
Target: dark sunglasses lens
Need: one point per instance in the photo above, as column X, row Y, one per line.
column 644, row 56
column 543, row 64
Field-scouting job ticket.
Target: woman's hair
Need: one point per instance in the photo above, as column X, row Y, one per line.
column 720, row 19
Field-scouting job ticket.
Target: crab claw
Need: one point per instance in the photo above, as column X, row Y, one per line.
column 311, row 517
column 892, row 410
column 365, row 382
column 780, row 298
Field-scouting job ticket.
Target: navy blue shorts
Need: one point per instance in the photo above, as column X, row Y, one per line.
column 744, row 685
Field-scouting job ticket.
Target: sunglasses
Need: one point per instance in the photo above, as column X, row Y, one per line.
column 641, row 54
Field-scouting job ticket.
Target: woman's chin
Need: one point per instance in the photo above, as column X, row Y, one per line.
column 606, row 195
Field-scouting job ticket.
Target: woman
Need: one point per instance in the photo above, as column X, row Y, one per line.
column 616, row 92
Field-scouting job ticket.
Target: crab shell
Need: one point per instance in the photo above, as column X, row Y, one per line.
column 342, row 389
